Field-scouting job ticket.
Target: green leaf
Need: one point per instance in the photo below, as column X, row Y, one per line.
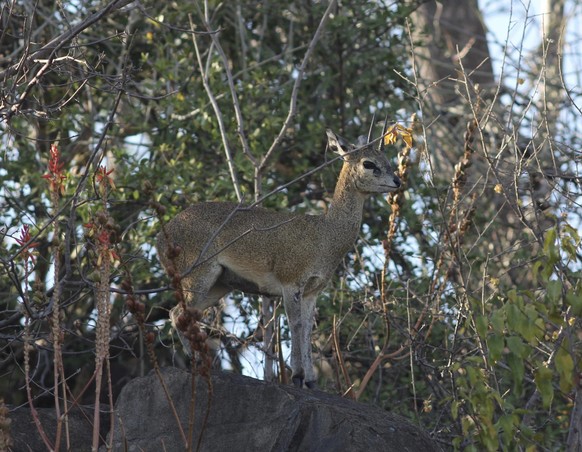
column 574, row 299
column 489, row 436
column 554, row 291
column 518, row 347
column 530, row 330
column 550, row 248
column 497, row 320
column 543, row 380
column 540, row 328
column 474, row 374
column 481, row 323
column 539, row 270
column 506, row 427
column 570, row 241
column 517, row 321
column 565, row 367
column 569, row 248
column 547, row 271
column 495, row 343
column 571, row 233
column 517, row 372
column 455, row 409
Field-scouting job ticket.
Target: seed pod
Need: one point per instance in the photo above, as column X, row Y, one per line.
column 130, row 304
column 182, row 322
column 150, row 337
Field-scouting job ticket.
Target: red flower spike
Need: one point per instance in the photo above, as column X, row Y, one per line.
column 103, row 177
column 24, row 238
column 55, row 176
column 104, row 238
column 55, row 165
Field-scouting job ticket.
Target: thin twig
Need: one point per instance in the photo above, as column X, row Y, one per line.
column 349, row 392
column 218, row 114
column 235, row 103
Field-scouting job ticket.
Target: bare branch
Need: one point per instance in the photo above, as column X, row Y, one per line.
column 296, row 86
column 235, row 103
column 217, row 112
column 48, row 52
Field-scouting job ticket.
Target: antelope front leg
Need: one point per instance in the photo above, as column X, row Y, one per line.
column 307, row 317
column 292, row 300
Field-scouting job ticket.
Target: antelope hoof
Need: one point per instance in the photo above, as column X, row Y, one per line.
column 297, row 382
column 311, row 384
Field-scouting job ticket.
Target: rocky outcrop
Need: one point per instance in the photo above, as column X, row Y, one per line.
column 245, row 415
column 251, row 415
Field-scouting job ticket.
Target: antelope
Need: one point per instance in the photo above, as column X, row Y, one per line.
column 223, row 246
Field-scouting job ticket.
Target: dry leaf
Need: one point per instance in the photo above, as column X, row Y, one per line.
column 390, row 137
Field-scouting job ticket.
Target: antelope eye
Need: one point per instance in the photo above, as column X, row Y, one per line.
column 369, row 165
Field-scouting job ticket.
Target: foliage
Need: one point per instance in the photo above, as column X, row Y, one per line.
column 109, row 133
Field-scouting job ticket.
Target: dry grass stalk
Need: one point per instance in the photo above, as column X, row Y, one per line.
column 188, row 324
column 395, row 200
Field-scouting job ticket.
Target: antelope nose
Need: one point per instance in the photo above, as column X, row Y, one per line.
column 397, row 181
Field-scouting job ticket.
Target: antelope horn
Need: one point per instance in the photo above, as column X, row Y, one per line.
column 371, row 128
column 384, row 130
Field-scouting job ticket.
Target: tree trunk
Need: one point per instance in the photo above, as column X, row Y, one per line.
column 455, row 32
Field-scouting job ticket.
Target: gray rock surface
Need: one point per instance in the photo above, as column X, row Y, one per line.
column 251, row 415
column 25, row 436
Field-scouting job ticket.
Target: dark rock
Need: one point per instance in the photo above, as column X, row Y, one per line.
column 251, row 415
column 25, row 435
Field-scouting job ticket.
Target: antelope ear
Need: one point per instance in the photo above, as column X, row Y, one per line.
column 337, row 143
